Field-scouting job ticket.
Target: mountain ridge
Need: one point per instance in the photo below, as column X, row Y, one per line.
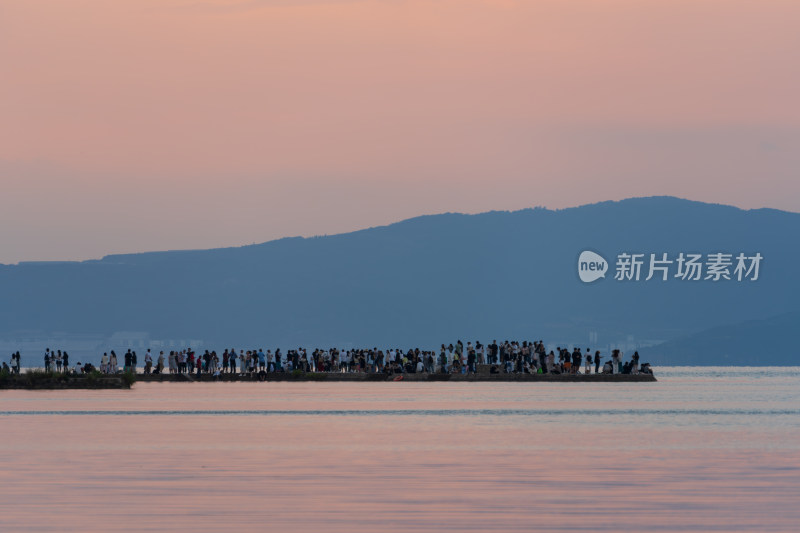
column 425, row 280
column 603, row 203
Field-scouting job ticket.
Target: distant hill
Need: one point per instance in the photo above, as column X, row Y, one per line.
column 426, row 280
column 752, row 343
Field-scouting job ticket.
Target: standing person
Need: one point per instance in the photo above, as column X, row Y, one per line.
column 232, row 359
column 526, row 354
column 148, row 362
column 66, row 362
column 262, row 359
column 542, row 359
column 588, row 368
column 104, row 363
column 471, row 358
column 113, row 363
column 160, row 363
column 134, row 362
column 59, row 360
column 635, row 363
column 597, row 361
column 225, row 361
column 172, row 362
column 47, row 360
column 576, row 361
column 206, row 361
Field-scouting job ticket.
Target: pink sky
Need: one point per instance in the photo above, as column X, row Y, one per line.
column 162, row 124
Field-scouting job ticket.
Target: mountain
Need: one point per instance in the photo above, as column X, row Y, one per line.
column 751, row 343
column 427, row 280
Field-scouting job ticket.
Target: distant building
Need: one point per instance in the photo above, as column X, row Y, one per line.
column 130, row 339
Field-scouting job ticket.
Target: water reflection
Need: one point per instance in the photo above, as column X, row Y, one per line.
column 700, row 450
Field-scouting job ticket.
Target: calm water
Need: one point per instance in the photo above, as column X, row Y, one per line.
column 704, row 449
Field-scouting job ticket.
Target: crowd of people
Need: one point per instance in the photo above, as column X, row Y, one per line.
column 505, row 357
column 54, row 361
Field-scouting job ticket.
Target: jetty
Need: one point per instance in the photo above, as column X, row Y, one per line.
column 420, row 377
column 40, row 380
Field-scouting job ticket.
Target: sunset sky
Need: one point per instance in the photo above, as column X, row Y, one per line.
column 143, row 125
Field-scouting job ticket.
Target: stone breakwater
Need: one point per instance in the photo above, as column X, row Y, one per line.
column 51, row 381
column 416, row 378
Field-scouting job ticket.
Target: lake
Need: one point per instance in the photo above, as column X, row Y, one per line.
column 703, row 449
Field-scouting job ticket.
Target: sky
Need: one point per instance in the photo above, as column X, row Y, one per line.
column 140, row 125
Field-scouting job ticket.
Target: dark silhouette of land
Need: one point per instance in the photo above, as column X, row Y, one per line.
column 413, row 283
